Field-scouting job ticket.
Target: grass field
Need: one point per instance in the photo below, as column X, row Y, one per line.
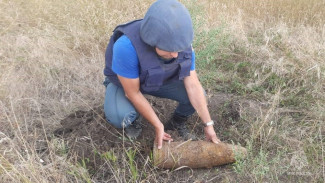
column 271, row 51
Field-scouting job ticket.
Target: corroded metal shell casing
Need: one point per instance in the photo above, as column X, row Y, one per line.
column 196, row 154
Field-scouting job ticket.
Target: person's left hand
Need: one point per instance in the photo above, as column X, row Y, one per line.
column 210, row 135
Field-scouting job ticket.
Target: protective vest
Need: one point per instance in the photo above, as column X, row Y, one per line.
column 153, row 72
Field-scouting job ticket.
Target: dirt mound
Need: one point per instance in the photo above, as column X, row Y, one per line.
column 88, row 135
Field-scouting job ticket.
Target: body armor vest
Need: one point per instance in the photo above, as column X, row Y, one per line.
column 153, row 71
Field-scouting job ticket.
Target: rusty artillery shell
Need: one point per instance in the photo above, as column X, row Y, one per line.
column 196, row 154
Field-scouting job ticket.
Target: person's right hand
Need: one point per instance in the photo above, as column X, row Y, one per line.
column 210, row 134
column 161, row 135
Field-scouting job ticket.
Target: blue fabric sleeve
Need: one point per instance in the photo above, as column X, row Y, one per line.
column 193, row 61
column 125, row 60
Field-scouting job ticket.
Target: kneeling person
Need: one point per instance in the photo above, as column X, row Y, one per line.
column 154, row 56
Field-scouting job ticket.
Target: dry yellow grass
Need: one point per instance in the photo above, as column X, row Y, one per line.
column 52, row 57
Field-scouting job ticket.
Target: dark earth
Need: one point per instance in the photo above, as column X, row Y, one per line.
column 88, row 136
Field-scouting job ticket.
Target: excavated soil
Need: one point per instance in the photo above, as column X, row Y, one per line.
column 88, row 135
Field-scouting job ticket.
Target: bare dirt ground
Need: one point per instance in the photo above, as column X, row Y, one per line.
column 85, row 131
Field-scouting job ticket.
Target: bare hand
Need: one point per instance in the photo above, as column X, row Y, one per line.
column 161, row 135
column 210, row 135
